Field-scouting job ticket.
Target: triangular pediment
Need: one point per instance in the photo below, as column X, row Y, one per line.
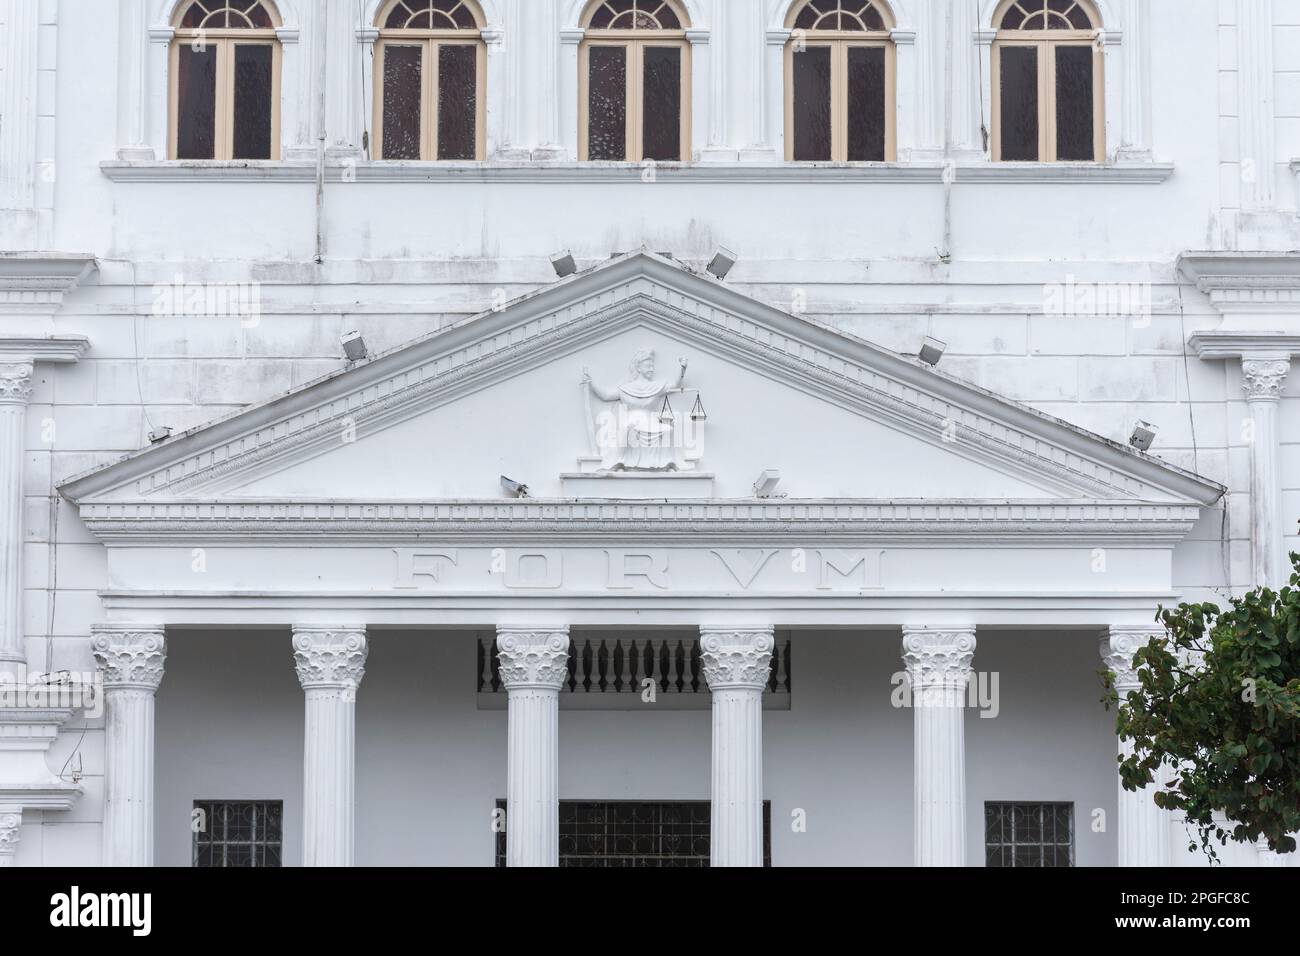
column 442, row 418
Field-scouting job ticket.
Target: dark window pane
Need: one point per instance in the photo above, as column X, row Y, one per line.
column 806, row 20
column 866, row 104
column 1012, row 19
column 196, row 103
column 193, row 17
column 607, row 103
column 403, row 72
column 253, row 101
column 812, row 104
column 457, row 102
column 661, row 116
column 1074, row 106
column 1018, row 85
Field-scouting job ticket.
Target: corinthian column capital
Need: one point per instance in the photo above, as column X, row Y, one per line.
column 938, row 657
column 331, row 656
column 1119, row 644
column 736, row 657
column 130, row 656
column 10, row 820
column 1262, row 379
column 15, row 383
column 533, row 657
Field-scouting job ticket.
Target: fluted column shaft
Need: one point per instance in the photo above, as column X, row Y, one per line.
column 131, row 659
column 330, row 661
column 19, row 45
column 534, row 665
column 1262, row 380
column 736, row 664
column 938, row 662
column 1143, row 828
column 15, row 394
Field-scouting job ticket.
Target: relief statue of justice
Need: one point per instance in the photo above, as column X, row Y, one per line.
column 635, row 427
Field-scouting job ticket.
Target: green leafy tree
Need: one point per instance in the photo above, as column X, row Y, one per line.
column 1218, row 707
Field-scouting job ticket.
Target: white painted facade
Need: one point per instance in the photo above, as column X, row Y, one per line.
column 285, row 598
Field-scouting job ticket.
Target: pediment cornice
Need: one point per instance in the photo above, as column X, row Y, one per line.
column 1067, row 462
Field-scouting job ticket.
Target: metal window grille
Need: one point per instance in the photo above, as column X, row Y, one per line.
column 1029, row 834
column 237, row 833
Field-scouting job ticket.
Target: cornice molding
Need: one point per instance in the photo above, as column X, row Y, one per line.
column 1228, row 343
column 580, row 522
column 61, row 349
column 1064, row 460
column 37, row 282
column 712, row 172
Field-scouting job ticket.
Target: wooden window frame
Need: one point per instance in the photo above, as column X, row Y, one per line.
column 225, row 41
column 635, row 42
column 839, row 42
column 430, row 42
column 1046, row 42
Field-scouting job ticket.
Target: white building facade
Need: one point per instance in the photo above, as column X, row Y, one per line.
column 596, row 545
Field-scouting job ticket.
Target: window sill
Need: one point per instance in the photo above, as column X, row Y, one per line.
column 496, row 171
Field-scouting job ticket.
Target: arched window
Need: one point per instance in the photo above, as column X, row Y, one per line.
column 635, row 82
column 430, row 75
column 225, row 87
column 1047, row 82
column 839, row 82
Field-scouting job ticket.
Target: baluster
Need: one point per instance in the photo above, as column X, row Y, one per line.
column 571, row 683
column 495, row 664
column 482, row 668
column 682, row 676
column 785, row 661
column 665, row 666
column 772, row 666
column 600, row 657
column 587, row 669
column 651, row 659
column 629, row 653
column 697, row 681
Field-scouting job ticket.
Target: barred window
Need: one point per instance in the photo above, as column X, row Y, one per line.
column 225, row 81
column 237, row 833
column 1029, row 834
column 635, row 64
column 1047, row 82
column 430, row 79
column 636, row 834
column 840, row 82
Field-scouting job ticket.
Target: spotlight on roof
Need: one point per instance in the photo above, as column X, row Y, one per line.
column 765, row 487
column 721, row 263
column 160, row 434
column 354, row 346
column 932, row 350
column 1144, row 434
column 563, row 264
column 515, row 489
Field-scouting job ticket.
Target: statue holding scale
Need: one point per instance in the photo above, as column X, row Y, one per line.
column 639, row 431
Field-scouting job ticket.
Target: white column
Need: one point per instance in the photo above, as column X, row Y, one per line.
column 131, row 658
column 132, row 89
column 330, row 660
column 11, row 818
column 1143, row 827
column 534, row 665
column 15, row 394
column 570, row 41
column 1255, row 82
column 18, row 105
column 736, row 663
column 1135, row 136
column 924, row 72
column 938, row 662
column 1262, row 379
column 964, row 82
column 342, row 79
column 1264, row 856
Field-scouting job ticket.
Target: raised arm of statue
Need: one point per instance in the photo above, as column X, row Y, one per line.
column 600, row 393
